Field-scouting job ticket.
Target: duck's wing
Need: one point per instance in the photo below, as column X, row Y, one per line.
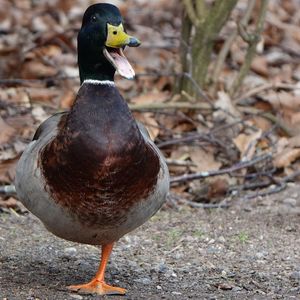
column 148, row 139
column 143, row 130
column 49, row 126
column 29, row 182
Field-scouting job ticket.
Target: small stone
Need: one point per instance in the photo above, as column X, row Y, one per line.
column 176, row 293
column 221, row 239
column 290, row 229
column 159, row 287
column 290, row 202
column 70, row 251
column 224, row 274
column 74, row 296
column 162, row 268
column 261, row 255
column 237, row 289
column 295, row 275
column 225, row 286
column 144, row 280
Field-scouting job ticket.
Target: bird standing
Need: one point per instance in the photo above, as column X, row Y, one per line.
column 92, row 174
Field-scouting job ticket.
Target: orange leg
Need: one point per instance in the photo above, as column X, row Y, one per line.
column 97, row 285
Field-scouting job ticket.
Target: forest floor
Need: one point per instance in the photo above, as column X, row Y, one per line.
column 248, row 251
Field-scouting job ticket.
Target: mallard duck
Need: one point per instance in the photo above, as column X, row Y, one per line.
column 92, row 174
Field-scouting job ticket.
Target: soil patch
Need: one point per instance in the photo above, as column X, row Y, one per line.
column 249, row 251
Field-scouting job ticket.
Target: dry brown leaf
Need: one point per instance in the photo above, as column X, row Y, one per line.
column 148, row 120
column 43, row 95
column 149, row 98
column 282, row 143
column 286, row 157
column 181, row 154
column 7, row 170
column 217, row 188
column 204, row 159
column 247, row 144
column 15, row 95
column 260, row 66
column 6, row 132
column 35, row 69
column 261, row 123
column 294, row 142
column 282, row 99
column 9, row 203
column 227, row 111
column 49, row 50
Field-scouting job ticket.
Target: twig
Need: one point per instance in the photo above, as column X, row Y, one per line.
column 229, row 41
column 198, row 89
column 250, row 186
column 189, row 7
column 240, row 165
column 291, row 177
column 205, row 205
column 170, row 105
column 267, row 86
column 181, row 163
column 280, row 124
column 280, row 186
column 8, row 190
column 180, row 140
column 267, row 115
column 252, row 40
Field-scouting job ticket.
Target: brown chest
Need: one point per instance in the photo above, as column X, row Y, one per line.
column 99, row 186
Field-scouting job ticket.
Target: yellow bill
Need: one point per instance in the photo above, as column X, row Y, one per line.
column 117, row 38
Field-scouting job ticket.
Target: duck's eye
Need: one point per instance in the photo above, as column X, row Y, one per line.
column 94, row 19
column 115, row 32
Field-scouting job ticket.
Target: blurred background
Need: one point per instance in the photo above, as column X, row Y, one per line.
column 217, row 86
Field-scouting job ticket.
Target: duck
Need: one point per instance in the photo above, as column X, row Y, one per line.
column 93, row 174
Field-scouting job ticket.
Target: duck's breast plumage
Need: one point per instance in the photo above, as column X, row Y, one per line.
column 96, row 175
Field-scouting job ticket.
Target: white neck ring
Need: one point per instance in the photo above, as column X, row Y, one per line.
column 99, row 82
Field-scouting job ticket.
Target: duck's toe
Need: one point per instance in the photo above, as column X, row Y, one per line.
column 96, row 287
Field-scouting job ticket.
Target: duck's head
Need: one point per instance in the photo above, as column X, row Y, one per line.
column 101, row 41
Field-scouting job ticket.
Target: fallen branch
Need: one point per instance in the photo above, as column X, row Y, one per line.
column 268, row 116
column 280, row 186
column 180, row 163
column 205, row 205
column 267, row 86
column 239, row 166
column 186, row 139
column 170, row 105
column 197, row 136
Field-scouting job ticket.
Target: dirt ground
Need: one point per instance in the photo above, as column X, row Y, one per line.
column 249, row 251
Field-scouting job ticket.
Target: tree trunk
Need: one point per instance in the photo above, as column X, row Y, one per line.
column 199, row 32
